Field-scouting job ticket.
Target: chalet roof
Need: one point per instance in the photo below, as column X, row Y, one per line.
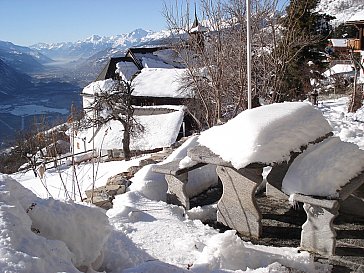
column 150, row 82
column 154, row 57
column 109, row 70
column 144, row 50
column 160, row 82
column 357, row 18
column 126, row 69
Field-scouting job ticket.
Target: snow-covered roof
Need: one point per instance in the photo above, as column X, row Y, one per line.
column 339, row 42
column 267, row 134
column 152, row 61
column 338, row 69
column 333, row 168
column 98, row 86
column 156, row 57
column 151, row 82
column 126, row 70
column 160, row 82
column 359, row 16
column 160, row 130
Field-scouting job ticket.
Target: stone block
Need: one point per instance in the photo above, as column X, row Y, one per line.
column 318, row 234
column 237, row 207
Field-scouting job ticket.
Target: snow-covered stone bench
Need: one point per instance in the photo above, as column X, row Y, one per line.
column 237, row 207
column 176, row 175
column 265, row 136
column 278, row 135
column 323, row 177
column 184, row 177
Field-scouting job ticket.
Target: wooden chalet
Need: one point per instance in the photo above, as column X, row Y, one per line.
column 358, row 21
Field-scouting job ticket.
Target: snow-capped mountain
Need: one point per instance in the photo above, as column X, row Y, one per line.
column 95, row 44
column 341, row 9
column 22, row 58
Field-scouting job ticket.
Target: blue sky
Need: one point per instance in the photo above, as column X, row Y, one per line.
column 26, row 22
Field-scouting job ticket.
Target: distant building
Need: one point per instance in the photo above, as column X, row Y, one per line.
column 159, row 98
column 339, row 47
column 358, row 44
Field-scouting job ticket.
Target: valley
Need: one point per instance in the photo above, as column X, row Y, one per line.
column 48, row 100
column 42, row 81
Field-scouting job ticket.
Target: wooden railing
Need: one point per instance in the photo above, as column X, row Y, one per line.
column 354, row 44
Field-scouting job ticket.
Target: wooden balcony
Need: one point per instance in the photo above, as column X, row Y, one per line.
column 354, row 44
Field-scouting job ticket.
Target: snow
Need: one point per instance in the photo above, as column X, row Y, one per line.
column 50, row 185
column 126, row 70
column 46, row 235
column 348, row 126
column 160, row 130
column 142, row 233
column 266, row 134
column 336, row 162
column 359, row 16
column 154, row 63
column 98, row 86
column 339, row 42
column 341, row 9
column 199, row 28
column 338, row 69
column 160, row 82
column 199, row 179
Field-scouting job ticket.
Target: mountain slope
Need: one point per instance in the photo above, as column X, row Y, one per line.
column 341, row 9
column 24, row 59
column 11, row 81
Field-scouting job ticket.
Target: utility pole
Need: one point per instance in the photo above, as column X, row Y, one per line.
column 248, row 49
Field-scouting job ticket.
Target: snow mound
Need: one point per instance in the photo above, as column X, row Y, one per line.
column 228, row 251
column 324, row 168
column 40, row 235
column 266, row 134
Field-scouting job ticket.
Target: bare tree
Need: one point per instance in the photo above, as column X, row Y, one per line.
column 217, row 67
column 356, row 100
column 115, row 103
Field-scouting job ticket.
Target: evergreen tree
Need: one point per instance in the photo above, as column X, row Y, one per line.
column 345, row 31
column 313, row 29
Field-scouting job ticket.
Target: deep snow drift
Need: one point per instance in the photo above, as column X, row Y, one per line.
column 144, row 234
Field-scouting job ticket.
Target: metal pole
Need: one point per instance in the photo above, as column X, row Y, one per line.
column 249, row 58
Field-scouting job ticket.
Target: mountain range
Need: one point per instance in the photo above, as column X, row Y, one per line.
column 95, row 44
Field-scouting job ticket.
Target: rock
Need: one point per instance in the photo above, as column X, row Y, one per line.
column 133, row 170
column 101, row 201
column 148, row 161
column 120, row 179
